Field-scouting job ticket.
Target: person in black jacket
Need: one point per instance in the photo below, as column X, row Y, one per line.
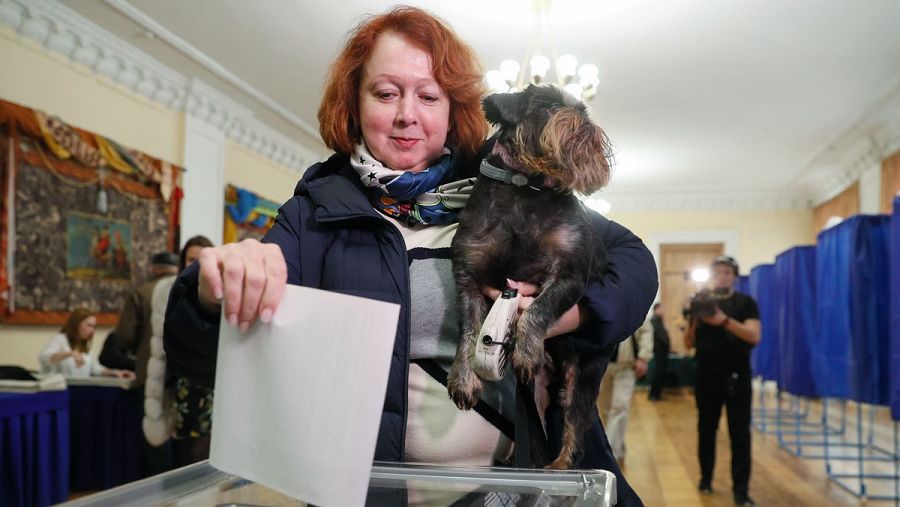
column 661, row 346
column 113, row 356
column 724, row 339
column 402, row 112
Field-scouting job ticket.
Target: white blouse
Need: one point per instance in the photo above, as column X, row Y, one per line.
column 67, row 367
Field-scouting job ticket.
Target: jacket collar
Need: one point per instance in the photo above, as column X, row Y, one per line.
column 336, row 191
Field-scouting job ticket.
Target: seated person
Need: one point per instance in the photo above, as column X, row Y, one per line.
column 67, row 352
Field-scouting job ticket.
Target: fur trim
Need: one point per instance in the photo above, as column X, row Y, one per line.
column 158, row 420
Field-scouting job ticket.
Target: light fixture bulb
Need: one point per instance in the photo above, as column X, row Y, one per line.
column 540, row 64
column 496, row 82
column 588, row 73
column 510, row 70
column 573, row 89
column 566, row 66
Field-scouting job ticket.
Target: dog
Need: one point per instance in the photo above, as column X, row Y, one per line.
column 523, row 222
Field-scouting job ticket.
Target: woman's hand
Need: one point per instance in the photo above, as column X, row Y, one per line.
column 568, row 322
column 245, row 278
column 126, row 374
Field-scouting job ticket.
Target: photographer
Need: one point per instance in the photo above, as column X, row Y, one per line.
column 724, row 327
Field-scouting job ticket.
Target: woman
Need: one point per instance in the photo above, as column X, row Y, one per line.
column 192, row 403
column 190, row 252
column 402, row 111
column 67, row 352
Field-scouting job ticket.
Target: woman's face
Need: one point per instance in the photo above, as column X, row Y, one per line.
column 404, row 112
column 192, row 254
column 86, row 328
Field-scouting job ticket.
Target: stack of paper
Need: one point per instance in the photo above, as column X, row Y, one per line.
column 54, row 382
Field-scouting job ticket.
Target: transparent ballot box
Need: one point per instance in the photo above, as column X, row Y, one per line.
column 390, row 484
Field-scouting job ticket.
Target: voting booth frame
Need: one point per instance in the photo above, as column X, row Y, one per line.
column 828, row 365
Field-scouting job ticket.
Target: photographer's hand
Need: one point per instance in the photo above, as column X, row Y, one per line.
column 717, row 319
column 748, row 331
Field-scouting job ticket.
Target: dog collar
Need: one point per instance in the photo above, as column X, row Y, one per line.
column 506, row 176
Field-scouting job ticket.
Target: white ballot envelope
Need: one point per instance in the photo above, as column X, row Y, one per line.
column 298, row 401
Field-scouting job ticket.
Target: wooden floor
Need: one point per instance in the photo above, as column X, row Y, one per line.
column 661, row 462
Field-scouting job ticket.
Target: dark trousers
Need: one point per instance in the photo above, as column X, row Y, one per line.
column 713, row 391
column 190, row 450
column 157, row 459
column 660, row 362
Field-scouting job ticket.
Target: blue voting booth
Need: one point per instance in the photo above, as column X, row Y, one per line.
column 742, row 284
column 894, row 307
column 795, row 286
column 761, row 288
column 763, row 359
column 852, row 360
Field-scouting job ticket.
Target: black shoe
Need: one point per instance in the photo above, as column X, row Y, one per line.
column 705, row 488
column 743, row 501
column 654, row 398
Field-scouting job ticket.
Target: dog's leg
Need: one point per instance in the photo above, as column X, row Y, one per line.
column 570, row 435
column 556, row 297
column 463, row 384
column 582, row 384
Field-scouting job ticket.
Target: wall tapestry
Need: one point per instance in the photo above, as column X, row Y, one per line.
column 81, row 216
column 247, row 215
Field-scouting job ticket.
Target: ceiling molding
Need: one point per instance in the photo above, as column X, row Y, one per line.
column 208, row 63
column 856, row 160
column 63, row 31
column 706, row 201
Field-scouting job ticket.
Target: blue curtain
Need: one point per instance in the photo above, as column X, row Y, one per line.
column 762, row 287
column 852, row 359
column 895, row 309
column 742, row 284
column 795, row 289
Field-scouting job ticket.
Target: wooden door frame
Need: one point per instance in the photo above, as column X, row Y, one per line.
column 728, row 238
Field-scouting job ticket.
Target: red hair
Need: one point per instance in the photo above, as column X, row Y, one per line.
column 455, row 68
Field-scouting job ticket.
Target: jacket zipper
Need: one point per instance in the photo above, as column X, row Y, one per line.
column 396, row 231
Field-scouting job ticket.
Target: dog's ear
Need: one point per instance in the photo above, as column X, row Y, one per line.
column 580, row 148
column 505, row 108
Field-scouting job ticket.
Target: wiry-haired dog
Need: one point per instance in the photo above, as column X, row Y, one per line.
column 523, row 222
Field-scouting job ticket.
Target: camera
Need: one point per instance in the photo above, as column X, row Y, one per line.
column 703, row 304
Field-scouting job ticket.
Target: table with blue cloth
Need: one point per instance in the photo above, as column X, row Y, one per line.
column 107, row 440
column 34, row 448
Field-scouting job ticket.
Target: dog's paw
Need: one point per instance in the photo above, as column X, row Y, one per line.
column 464, row 387
column 528, row 354
column 525, row 366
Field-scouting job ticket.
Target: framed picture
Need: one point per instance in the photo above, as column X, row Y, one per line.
column 97, row 247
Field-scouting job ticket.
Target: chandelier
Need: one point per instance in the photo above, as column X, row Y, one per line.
column 581, row 82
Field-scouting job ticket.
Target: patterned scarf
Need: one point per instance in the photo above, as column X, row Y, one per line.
column 424, row 197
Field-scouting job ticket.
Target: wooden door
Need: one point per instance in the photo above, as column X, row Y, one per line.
column 677, row 261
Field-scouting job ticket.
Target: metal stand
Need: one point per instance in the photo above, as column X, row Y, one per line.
column 867, row 463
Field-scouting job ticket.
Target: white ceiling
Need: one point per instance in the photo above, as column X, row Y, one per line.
column 743, row 98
